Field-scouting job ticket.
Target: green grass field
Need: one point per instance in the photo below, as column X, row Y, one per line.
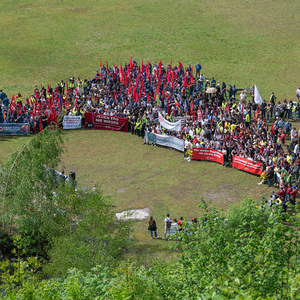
column 239, row 41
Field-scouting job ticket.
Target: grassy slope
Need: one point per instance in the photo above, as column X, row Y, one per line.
column 240, row 41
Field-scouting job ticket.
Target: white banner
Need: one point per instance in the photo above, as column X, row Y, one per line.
column 71, row 122
column 257, row 97
column 165, row 140
column 168, row 125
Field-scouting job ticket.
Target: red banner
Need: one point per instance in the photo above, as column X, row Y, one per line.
column 104, row 122
column 246, row 165
column 208, row 154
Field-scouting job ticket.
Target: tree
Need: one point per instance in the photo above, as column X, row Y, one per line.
column 84, row 233
column 26, row 188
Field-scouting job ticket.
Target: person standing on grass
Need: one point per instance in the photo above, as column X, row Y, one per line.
column 168, row 223
column 179, row 224
column 198, row 69
column 298, row 93
column 152, row 227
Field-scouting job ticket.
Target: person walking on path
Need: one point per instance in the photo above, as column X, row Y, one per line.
column 152, row 227
column 168, row 223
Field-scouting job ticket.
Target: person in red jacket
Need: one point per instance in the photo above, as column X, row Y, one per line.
column 179, row 224
column 282, row 192
column 293, row 195
column 288, row 192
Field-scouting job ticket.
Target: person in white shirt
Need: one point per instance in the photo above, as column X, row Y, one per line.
column 296, row 150
column 298, row 93
column 168, row 223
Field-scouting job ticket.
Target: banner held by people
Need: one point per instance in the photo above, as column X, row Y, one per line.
column 169, row 125
column 105, row 122
column 246, row 165
column 165, row 140
column 14, row 128
column 71, row 122
column 208, row 154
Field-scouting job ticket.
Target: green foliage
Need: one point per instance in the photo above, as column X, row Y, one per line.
column 27, row 186
column 84, row 231
column 19, row 274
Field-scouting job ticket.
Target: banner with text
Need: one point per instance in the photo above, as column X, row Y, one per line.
column 169, row 125
column 71, row 122
column 165, row 140
column 246, row 165
column 208, row 154
column 104, row 122
column 14, row 128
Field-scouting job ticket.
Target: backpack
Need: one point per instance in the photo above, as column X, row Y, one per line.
column 169, row 222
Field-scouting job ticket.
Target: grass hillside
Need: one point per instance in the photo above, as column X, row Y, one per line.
column 239, row 41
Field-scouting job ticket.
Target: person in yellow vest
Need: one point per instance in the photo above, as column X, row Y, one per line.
column 81, row 112
column 138, row 127
column 226, row 126
column 232, row 127
column 72, row 84
column 62, row 86
column 294, row 109
column 247, row 120
column 19, row 99
column 84, row 86
column 198, row 130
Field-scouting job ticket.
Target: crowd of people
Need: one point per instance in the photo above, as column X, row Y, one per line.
column 214, row 115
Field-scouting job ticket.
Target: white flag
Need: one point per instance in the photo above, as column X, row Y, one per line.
column 168, row 125
column 257, row 97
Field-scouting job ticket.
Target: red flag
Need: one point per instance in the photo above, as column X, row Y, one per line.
column 106, row 66
column 192, row 107
column 242, row 116
column 227, row 108
column 185, row 81
column 33, row 119
column 12, row 105
column 121, row 74
column 180, row 65
column 148, row 97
